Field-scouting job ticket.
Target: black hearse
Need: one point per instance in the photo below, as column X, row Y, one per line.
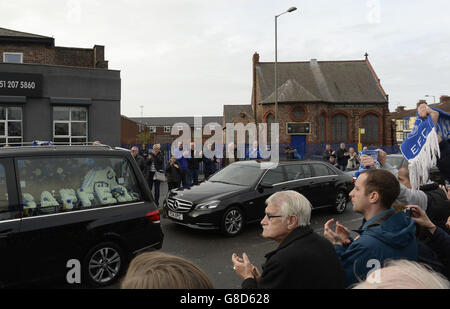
column 68, row 206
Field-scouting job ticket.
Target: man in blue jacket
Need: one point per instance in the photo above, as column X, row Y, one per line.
column 181, row 156
column 384, row 235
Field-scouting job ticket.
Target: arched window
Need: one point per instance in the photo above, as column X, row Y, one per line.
column 339, row 125
column 370, row 124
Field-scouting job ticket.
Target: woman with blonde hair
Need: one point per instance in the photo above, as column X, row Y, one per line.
column 158, row 270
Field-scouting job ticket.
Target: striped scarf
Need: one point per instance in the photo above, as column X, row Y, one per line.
column 421, row 147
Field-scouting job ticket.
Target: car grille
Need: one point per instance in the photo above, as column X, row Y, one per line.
column 179, row 205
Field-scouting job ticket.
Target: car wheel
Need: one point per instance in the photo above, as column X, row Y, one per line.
column 233, row 221
column 103, row 264
column 341, row 202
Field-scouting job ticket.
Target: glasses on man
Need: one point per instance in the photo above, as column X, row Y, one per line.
column 270, row 216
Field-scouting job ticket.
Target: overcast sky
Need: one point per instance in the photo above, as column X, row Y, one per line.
column 190, row 57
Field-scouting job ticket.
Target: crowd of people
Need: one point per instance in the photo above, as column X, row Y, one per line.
column 341, row 158
column 403, row 241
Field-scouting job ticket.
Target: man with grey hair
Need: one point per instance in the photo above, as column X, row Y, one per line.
column 303, row 259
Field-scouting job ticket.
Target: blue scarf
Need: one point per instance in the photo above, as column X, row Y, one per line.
column 374, row 155
column 421, row 147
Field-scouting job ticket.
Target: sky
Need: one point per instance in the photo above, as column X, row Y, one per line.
column 191, row 57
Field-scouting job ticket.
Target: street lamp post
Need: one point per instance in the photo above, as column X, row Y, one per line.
column 434, row 98
column 292, row 9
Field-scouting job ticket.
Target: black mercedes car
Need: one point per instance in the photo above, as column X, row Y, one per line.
column 236, row 194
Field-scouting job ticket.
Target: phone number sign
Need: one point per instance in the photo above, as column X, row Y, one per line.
column 20, row 84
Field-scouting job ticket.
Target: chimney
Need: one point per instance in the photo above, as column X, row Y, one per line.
column 99, row 57
column 400, row 109
column 444, row 99
column 255, row 57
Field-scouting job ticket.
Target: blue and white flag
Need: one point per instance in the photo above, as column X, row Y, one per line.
column 421, row 147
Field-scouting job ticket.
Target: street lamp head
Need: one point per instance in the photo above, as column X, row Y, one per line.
column 292, row 9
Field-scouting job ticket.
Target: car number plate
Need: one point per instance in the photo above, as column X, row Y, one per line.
column 175, row 215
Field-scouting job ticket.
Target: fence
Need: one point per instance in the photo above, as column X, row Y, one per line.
column 313, row 151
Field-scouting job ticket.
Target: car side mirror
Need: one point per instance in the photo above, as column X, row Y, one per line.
column 263, row 186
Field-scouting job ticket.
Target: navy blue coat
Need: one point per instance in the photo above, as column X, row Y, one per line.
column 388, row 235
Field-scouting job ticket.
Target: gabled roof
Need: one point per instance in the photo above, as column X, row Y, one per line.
column 230, row 112
column 7, row 35
column 320, row 81
column 170, row 121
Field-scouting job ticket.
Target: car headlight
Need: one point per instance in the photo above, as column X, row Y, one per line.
column 208, row 205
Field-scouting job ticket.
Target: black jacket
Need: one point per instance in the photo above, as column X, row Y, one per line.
column 193, row 162
column 326, row 155
column 304, row 260
column 438, row 208
column 342, row 159
column 173, row 173
column 141, row 163
column 443, row 163
column 158, row 160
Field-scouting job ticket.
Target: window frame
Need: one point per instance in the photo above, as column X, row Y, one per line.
column 12, row 53
column 337, row 138
column 374, row 121
column 69, row 122
column 5, row 121
column 19, row 203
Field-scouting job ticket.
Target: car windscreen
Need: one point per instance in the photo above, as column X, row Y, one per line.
column 238, row 174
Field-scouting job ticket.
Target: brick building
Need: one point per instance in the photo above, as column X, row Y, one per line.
column 62, row 94
column 160, row 128
column 321, row 102
column 405, row 118
column 21, row 47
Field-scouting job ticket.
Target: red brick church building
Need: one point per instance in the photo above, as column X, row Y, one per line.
column 319, row 102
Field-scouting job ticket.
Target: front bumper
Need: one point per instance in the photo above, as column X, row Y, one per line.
column 197, row 219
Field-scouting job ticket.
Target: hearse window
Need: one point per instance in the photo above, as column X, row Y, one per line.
column 298, row 171
column 52, row 185
column 274, row 176
column 320, row 170
column 4, row 205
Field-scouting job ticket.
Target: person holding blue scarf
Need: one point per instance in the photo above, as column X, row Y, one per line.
column 441, row 121
column 427, row 144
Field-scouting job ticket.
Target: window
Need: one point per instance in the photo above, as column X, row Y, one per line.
column 11, row 125
column 298, row 113
column 274, row 176
column 52, row 185
column 167, row 129
column 321, row 133
column 321, row 170
column 152, row 129
column 13, row 57
column 298, row 171
column 370, row 123
column 70, row 125
column 339, row 124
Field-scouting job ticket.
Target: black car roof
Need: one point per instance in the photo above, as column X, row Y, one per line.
column 46, row 150
column 281, row 162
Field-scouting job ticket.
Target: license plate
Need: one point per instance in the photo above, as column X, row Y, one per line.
column 175, row 215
